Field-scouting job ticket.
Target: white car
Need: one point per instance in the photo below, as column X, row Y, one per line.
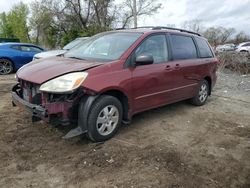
column 225, row 47
column 243, row 47
column 53, row 53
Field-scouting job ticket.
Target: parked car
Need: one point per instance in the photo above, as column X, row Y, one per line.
column 52, row 53
column 243, row 47
column 2, row 40
column 115, row 75
column 15, row 55
column 225, row 47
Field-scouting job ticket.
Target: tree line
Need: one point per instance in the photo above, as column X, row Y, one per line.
column 216, row 35
column 53, row 23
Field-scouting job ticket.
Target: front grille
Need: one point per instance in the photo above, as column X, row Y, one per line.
column 30, row 92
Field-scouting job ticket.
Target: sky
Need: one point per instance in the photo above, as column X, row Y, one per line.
column 225, row 13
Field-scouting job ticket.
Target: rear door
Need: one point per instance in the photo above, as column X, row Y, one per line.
column 185, row 55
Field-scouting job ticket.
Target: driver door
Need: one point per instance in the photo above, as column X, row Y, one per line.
column 152, row 84
column 27, row 52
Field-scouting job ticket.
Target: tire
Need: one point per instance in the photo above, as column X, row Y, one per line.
column 244, row 52
column 6, row 67
column 104, row 118
column 202, row 94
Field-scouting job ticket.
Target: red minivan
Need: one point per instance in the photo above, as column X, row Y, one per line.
column 113, row 75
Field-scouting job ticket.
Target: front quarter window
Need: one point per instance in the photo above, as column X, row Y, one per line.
column 104, row 47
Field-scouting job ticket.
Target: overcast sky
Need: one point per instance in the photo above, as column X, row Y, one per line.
column 226, row 13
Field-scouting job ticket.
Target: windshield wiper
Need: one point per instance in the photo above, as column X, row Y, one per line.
column 73, row 57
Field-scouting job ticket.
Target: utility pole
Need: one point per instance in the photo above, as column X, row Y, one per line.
column 135, row 13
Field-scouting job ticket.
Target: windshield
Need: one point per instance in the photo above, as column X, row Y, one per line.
column 104, row 47
column 73, row 43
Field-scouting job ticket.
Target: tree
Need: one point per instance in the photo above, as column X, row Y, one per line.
column 56, row 22
column 91, row 13
column 218, row 35
column 17, row 21
column 42, row 23
column 14, row 23
column 143, row 8
column 193, row 25
column 226, row 33
column 241, row 37
column 5, row 28
column 102, row 14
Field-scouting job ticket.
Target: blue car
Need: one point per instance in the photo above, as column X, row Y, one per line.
column 15, row 55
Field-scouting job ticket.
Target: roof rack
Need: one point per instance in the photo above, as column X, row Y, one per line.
column 170, row 28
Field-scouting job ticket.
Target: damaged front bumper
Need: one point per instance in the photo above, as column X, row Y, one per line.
column 60, row 112
column 55, row 112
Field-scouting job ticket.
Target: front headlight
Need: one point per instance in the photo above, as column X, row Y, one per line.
column 66, row 83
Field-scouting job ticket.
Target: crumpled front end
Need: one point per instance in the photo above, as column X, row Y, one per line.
column 49, row 107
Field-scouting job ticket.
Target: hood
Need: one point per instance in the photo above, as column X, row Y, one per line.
column 49, row 54
column 40, row 71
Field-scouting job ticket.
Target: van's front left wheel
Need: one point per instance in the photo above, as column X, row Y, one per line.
column 105, row 118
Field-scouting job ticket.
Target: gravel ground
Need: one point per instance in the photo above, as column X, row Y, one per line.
column 174, row 146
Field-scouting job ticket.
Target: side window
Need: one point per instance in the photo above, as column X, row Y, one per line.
column 30, row 49
column 156, row 46
column 205, row 51
column 35, row 49
column 183, row 47
column 16, row 47
column 25, row 48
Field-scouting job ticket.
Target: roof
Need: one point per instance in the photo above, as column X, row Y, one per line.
column 8, row 44
column 153, row 29
column 16, row 43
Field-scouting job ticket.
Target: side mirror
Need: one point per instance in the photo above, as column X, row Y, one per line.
column 144, row 60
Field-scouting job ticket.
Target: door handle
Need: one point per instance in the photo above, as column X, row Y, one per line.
column 177, row 66
column 168, row 68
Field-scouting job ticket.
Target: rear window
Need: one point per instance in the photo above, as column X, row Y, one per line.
column 205, row 51
column 183, row 47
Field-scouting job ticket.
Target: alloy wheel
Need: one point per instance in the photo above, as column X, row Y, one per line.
column 107, row 120
column 5, row 66
column 203, row 92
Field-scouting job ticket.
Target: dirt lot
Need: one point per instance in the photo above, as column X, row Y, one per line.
column 175, row 146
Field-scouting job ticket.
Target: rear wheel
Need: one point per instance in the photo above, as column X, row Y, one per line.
column 104, row 118
column 244, row 52
column 202, row 94
column 6, row 66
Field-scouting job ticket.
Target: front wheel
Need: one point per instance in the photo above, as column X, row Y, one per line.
column 244, row 52
column 202, row 94
column 104, row 118
column 6, row 66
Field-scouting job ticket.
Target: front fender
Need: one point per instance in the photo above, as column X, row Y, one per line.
column 83, row 111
